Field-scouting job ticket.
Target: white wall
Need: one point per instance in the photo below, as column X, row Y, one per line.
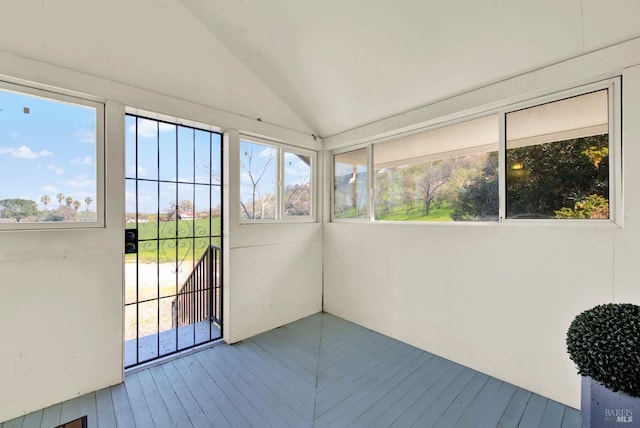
column 61, row 318
column 275, row 271
column 275, row 277
column 150, row 44
column 61, row 324
column 495, row 297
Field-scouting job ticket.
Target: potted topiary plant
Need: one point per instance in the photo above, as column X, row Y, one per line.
column 604, row 342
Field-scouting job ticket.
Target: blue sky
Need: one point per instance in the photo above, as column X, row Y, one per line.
column 257, row 156
column 46, row 147
column 172, row 153
column 257, row 161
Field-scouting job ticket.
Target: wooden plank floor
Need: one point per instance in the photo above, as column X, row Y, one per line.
column 149, row 347
column 320, row 371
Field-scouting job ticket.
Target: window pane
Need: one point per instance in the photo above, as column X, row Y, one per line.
column 462, row 188
column 202, row 209
column 350, row 184
column 202, row 167
column 216, row 159
column 297, row 184
column 258, row 197
column 216, row 211
column 184, row 211
column 186, row 170
column 557, row 159
column 147, row 148
column 445, row 174
column 167, row 153
column 48, row 152
column 130, row 147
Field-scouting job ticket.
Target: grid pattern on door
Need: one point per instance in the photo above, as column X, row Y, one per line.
column 174, row 202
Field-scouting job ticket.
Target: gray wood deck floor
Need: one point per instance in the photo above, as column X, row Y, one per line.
column 320, row 371
column 150, row 347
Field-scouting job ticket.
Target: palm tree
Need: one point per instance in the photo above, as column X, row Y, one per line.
column 76, row 205
column 45, row 200
column 69, row 201
column 60, row 198
column 88, row 201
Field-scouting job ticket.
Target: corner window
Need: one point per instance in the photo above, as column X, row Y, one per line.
column 553, row 158
column 50, row 160
column 351, row 189
column 276, row 182
column 557, row 159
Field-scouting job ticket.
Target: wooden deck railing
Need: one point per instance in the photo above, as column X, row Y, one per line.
column 199, row 298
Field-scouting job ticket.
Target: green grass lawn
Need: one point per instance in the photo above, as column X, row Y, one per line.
column 178, row 240
column 417, row 214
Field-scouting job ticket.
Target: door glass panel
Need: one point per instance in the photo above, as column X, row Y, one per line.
column 169, row 281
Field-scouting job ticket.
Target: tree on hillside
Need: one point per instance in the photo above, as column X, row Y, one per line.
column 382, row 193
column 178, row 212
column 556, row 175
column 60, row 198
column 18, row 208
column 298, row 199
column 593, row 206
column 409, row 188
column 76, row 205
column 185, row 206
column 478, row 198
column 88, row 202
column 63, row 213
column 431, row 180
column 267, row 204
column 69, row 201
column 46, row 200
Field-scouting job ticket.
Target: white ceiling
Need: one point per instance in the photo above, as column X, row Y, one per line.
column 340, row 64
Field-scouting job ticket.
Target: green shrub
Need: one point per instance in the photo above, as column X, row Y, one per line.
column 604, row 342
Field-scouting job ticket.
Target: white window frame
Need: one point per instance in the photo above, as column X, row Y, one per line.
column 614, row 87
column 99, row 108
column 434, row 157
column 281, row 148
column 369, row 215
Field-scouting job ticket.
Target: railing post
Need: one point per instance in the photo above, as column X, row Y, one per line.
column 213, row 283
column 197, row 298
column 174, row 314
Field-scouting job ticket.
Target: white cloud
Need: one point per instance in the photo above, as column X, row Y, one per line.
column 55, row 169
column 13, row 135
column 81, row 181
column 50, row 189
column 149, row 128
column 131, row 171
column 297, row 168
column 82, row 161
column 269, row 152
column 205, row 179
column 86, row 136
column 169, row 186
column 24, row 152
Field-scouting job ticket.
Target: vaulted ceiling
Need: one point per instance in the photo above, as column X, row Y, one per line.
column 340, row 64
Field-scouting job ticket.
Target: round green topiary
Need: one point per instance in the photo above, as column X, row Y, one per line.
column 604, row 342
